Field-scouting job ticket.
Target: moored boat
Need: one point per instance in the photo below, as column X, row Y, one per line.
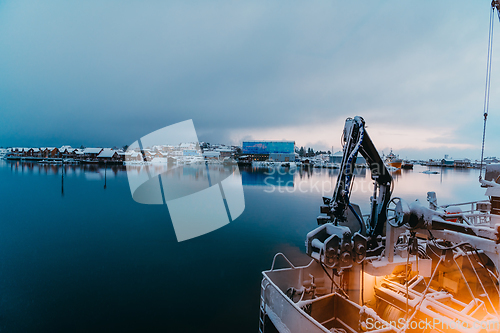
column 393, row 160
column 407, row 165
column 402, row 268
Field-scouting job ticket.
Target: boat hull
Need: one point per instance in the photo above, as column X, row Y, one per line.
column 395, row 164
column 325, row 314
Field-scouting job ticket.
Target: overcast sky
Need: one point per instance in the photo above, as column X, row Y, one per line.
column 104, row 73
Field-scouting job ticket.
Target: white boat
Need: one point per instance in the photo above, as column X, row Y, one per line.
column 70, row 161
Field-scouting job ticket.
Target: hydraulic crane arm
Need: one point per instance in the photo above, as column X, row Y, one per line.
column 357, row 141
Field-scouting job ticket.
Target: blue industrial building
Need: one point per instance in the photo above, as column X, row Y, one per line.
column 279, row 151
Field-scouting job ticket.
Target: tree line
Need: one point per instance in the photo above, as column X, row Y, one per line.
column 309, row 152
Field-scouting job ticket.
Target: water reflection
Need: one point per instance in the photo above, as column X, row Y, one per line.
column 57, row 168
column 290, row 177
column 448, row 183
column 267, row 177
column 62, row 182
column 200, row 197
column 102, row 247
column 173, row 182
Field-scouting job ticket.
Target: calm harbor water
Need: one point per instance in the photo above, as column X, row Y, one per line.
column 78, row 254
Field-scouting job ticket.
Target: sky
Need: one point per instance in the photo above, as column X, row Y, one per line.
column 105, row 73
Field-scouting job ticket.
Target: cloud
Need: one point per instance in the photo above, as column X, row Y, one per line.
column 106, row 72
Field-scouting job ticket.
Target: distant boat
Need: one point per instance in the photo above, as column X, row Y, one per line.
column 244, row 160
column 407, row 165
column 393, row 160
column 70, row 160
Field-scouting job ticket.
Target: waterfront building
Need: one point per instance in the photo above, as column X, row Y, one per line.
column 211, row 155
column 109, row 155
column 78, row 153
column 447, row 162
column 50, row 152
column 190, row 152
column 133, row 156
column 91, row 153
column 489, row 160
column 68, row 152
column 278, row 151
column 463, row 163
column 225, row 152
column 337, row 159
column 187, row 145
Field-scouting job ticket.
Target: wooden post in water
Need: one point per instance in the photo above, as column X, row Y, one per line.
column 62, row 179
column 105, row 169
